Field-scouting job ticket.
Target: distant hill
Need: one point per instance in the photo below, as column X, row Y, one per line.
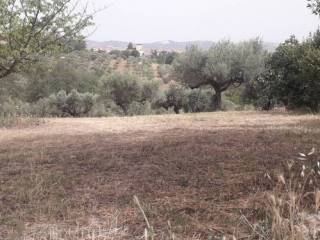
column 161, row 45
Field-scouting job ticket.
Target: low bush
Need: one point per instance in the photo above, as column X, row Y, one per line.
column 197, row 100
column 74, row 104
column 137, row 108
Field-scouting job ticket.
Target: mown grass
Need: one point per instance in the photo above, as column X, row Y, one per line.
column 203, row 173
column 10, row 121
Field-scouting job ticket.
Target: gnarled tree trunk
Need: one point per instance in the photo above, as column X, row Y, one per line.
column 217, row 101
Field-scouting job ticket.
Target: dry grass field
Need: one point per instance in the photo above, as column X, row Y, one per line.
column 76, row 178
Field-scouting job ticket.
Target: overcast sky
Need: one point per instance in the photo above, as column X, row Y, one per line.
column 185, row 20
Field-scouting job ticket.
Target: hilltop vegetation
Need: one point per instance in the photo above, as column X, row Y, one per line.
column 164, row 45
column 89, row 83
column 47, row 71
column 228, row 76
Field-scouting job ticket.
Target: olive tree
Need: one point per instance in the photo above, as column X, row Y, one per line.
column 32, row 28
column 223, row 66
column 123, row 89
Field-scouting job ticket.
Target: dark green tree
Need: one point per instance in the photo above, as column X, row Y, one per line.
column 292, row 75
column 130, row 46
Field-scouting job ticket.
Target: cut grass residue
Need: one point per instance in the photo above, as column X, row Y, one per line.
column 200, row 172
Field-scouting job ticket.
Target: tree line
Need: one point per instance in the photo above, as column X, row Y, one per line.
column 45, row 70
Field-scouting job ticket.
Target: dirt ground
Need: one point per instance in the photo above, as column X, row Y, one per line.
column 201, row 172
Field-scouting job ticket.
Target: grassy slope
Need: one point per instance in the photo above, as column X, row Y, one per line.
column 199, row 171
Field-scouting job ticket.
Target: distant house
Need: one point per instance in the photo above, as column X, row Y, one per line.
column 139, row 48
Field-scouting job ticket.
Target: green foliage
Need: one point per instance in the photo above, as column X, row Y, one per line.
column 74, row 104
column 172, row 98
column 197, row 100
column 163, row 57
column 292, row 76
column 123, row 89
column 12, row 107
column 126, row 89
column 139, row 108
column 67, row 72
column 150, row 90
column 34, row 28
column 165, row 72
column 130, row 53
column 223, row 66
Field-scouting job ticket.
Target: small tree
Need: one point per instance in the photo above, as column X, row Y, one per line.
column 223, row 66
column 130, row 46
column 197, row 100
column 123, row 89
column 31, row 28
column 74, row 104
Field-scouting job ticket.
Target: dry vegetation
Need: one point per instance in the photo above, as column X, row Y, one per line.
column 76, row 178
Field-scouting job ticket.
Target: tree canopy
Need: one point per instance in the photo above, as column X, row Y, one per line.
column 292, row 75
column 224, row 65
column 31, row 28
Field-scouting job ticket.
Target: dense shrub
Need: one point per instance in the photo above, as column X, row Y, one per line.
column 66, row 72
column 74, row 104
column 197, row 100
column 292, row 76
column 164, row 72
column 15, row 107
column 172, row 98
column 125, row 89
column 150, row 90
column 138, row 108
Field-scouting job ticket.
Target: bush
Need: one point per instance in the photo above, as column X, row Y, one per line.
column 150, row 90
column 228, row 105
column 173, row 98
column 165, row 72
column 74, row 104
column 126, row 91
column 197, row 100
column 15, row 113
column 123, row 89
column 13, row 107
column 136, row 108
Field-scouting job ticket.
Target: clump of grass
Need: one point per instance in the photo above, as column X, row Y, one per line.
column 149, row 231
column 97, row 229
column 13, row 120
column 292, row 206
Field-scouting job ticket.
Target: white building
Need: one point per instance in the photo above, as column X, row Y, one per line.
column 139, row 48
